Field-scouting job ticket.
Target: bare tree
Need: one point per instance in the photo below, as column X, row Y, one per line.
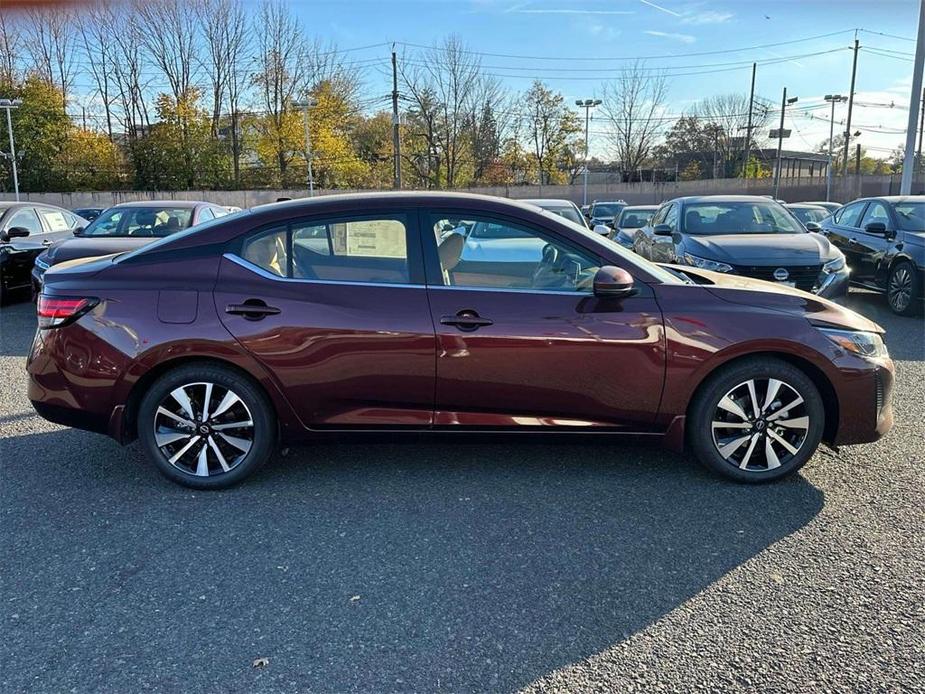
column 10, row 49
column 726, row 118
column 96, row 26
column 168, row 35
column 224, row 28
column 128, row 64
column 633, row 106
column 51, row 41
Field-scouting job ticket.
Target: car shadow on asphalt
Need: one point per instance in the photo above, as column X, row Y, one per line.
column 370, row 565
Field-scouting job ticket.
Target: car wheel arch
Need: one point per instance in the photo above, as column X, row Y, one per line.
column 145, row 380
column 815, row 374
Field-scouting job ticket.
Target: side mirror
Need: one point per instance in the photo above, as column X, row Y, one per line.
column 13, row 233
column 78, row 230
column 662, row 230
column 613, row 283
column 878, row 228
column 601, row 229
column 813, row 226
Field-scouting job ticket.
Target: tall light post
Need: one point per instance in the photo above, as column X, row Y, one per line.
column 9, row 105
column 832, row 99
column 784, row 103
column 587, row 104
column 306, row 105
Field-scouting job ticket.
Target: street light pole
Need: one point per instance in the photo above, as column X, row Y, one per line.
column 780, row 139
column 307, row 104
column 832, row 99
column 9, row 105
column 587, row 104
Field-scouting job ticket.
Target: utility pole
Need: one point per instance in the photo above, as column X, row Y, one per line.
column 587, row 104
column 854, row 72
column 396, row 134
column 9, row 105
column 306, row 105
column 748, row 128
column 857, row 159
column 832, row 99
column 918, row 156
column 784, row 102
column 905, row 187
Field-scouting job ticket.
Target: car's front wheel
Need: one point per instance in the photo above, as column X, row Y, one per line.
column 902, row 289
column 206, row 426
column 756, row 420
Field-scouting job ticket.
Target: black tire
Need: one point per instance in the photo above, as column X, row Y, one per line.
column 222, row 444
column 903, row 289
column 708, row 441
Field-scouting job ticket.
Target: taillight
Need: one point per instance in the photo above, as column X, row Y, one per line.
column 56, row 311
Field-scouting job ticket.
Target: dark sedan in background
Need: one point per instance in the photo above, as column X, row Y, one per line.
column 127, row 227
column 630, row 219
column 88, row 213
column 605, row 212
column 26, row 230
column 883, row 240
column 752, row 236
column 809, row 215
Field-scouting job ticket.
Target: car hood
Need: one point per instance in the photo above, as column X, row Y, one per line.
column 88, row 246
column 762, row 249
column 774, row 295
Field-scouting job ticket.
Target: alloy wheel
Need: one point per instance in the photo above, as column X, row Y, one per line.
column 899, row 291
column 760, row 424
column 203, row 429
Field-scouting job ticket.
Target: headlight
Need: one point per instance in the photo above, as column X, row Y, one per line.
column 859, row 343
column 834, row 265
column 41, row 264
column 705, row 264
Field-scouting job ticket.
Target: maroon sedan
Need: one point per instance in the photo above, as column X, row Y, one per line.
column 441, row 312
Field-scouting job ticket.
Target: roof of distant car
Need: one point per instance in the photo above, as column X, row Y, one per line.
column 548, row 201
column 723, row 198
column 632, row 208
column 179, row 204
column 895, row 198
column 803, row 205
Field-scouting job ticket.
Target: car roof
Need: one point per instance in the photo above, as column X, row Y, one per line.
column 609, row 202
column 7, row 204
column 181, row 204
column 630, row 208
column 548, row 201
column 412, row 198
column 803, row 205
column 894, row 198
column 722, row 198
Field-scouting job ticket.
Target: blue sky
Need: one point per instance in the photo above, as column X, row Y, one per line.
column 560, row 30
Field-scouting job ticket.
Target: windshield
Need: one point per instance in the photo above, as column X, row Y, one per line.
column 635, row 219
column 752, row 217
column 606, row 210
column 567, row 211
column 809, row 214
column 203, row 226
column 911, row 215
column 486, row 230
column 140, row 221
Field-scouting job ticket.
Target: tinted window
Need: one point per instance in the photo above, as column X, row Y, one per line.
column 206, row 214
column 809, row 214
column 911, row 215
column 140, row 221
column 355, row 250
column 27, row 219
column 876, row 212
column 606, row 210
column 634, row 219
column 738, row 218
column 659, row 217
column 850, row 215
column 511, row 257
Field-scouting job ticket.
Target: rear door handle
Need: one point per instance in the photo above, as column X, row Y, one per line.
column 252, row 309
column 467, row 321
column 853, row 241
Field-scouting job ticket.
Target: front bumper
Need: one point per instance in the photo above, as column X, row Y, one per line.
column 865, row 402
column 835, row 286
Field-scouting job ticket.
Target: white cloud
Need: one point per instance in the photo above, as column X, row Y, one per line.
column 707, row 17
column 682, row 38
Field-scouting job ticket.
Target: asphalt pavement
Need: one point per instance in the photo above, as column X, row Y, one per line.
column 461, row 566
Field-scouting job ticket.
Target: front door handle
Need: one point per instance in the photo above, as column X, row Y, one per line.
column 252, row 309
column 467, row 321
column 853, row 241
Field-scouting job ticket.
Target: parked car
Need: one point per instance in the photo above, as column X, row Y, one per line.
column 603, row 212
column 883, row 240
column 631, row 218
column 215, row 345
column 569, row 210
column 586, row 212
column 752, row 236
column 830, row 206
column 126, row 227
column 26, row 230
column 808, row 214
column 88, row 213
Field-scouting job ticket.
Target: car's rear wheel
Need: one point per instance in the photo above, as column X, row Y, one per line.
column 206, row 426
column 756, row 420
column 902, row 289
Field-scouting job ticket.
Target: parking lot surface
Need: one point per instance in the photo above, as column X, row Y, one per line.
column 446, row 565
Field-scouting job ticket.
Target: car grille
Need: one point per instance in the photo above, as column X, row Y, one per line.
column 804, row 276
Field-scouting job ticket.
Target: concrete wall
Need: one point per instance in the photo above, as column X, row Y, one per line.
column 795, row 190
